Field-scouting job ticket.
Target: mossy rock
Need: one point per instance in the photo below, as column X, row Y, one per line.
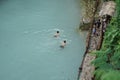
column 84, row 26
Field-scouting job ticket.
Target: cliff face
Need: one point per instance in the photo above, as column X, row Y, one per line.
column 88, row 8
column 88, row 13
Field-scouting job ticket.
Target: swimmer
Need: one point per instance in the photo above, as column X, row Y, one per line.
column 63, row 44
column 56, row 34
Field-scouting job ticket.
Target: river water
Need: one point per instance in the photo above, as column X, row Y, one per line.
column 28, row 50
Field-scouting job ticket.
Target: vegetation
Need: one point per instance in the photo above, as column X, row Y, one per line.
column 107, row 62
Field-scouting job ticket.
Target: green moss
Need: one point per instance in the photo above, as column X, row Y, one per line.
column 84, row 26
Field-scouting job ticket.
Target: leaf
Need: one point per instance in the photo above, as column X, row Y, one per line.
column 111, row 75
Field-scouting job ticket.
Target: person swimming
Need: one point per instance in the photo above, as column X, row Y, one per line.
column 63, row 44
column 57, row 34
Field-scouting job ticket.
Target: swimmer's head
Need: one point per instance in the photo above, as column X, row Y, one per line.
column 57, row 31
column 64, row 41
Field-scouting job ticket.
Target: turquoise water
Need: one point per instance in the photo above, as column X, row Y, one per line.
column 28, row 50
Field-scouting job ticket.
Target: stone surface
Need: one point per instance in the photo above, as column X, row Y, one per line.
column 87, row 67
